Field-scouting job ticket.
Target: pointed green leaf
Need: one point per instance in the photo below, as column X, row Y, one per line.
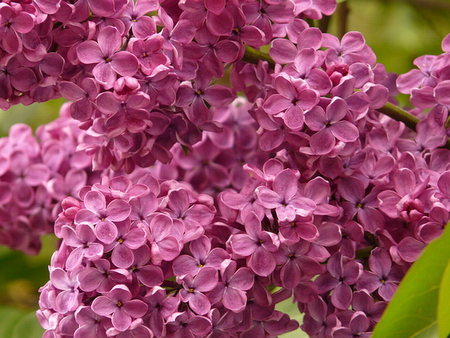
column 444, row 304
column 28, row 327
column 413, row 310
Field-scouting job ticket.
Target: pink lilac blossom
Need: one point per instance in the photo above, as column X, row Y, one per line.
column 302, row 186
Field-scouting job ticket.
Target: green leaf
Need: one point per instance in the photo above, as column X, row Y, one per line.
column 9, row 318
column 444, row 304
column 28, row 327
column 413, row 310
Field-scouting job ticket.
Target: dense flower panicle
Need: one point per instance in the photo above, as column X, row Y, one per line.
column 130, row 247
column 37, row 173
column 183, row 211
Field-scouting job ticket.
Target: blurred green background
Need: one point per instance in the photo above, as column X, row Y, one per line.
column 397, row 30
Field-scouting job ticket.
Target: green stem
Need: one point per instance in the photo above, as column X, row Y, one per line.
column 254, row 56
column 399, row 114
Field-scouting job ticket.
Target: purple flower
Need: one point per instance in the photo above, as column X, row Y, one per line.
column 134, row 16
column 257, row 245
column 202, row 257
column 91, row 325
column 293, row 97
column 102, row 216
column 101, row 278
column 164, row 246
column 285, row 198
column 358, row 327
column 107, row 58
column 342, row 272
column 84, row 242
column 382, row 277
column 182, row 324
column 234, row 282
column 67, row 299
column 361, row 204
column 119, row 303
column 128, row 240
column 330, row 125
column 194, row 288
column 295, row 265
column 12, row 23
column 195, row 97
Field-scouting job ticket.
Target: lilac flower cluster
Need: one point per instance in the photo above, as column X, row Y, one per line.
column 37, row 173
column 134, row 79
column 184, row 211
column 150, row 259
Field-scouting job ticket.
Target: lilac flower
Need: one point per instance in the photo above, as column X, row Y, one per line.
column 195, row 97
column 160, row 307
column 194, row 288
column 329, row 126
column 358, row 326
column 103, row 216
column 134, row 16
column 101, row 278
column 67, row 299
column 91, row 325
column 293, row 97
column 257, row 245
column 120, row 304
column 342, row 273
column 295, row 265
column 164, row 246
column 128, row 240
column 363, row 205
column 202, row 257
column 234, row 282
column 382, row 277
column 362, row 301
column 12, row 24
column 84, row 241
column 404, row 201
column 107, row 58
column 284, row 197
column 182, row 324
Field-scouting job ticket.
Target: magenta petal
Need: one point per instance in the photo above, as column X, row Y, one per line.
column 243, row 245
column 125, row 63
column 122, row 256
column 199, row 303
column 234, row 299
column 293, row 118
column 169, row 248
column 268, row 198
column 118, row 210
column 71, row 91
column 135, row 308
column 104, row 74
column 387, row 291
column 106, row 231
column 283, row 51
column 90, row 52
column 150, row 275
column 262, row 262
column 103, row 306
column 206, row 279
column 184, row 265
column 345, row 131
column 342, row 296
column 276, row 103
column 121, row 320
column 215, row 6
column 322, row 142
